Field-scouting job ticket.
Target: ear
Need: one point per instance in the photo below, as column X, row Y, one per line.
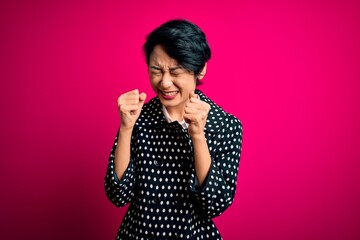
column 202, row 73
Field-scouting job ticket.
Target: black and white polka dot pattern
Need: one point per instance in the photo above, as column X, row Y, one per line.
column 160, row 181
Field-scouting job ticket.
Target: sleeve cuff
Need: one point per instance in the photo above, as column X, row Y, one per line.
column 128, row 174
column 194, row 182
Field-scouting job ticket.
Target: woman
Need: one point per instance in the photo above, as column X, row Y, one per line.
column 175, row 158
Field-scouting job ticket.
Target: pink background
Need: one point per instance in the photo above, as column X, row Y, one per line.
column 289, row 70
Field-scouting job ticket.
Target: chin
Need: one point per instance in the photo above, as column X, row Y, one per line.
column 168, row 104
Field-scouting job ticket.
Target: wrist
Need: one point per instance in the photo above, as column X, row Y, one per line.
column 198, row 137
column 125, row 130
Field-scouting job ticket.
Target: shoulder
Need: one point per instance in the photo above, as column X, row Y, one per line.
column 218, row 118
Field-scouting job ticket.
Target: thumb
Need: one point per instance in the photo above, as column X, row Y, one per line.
column 142, row 98
column 192, row 95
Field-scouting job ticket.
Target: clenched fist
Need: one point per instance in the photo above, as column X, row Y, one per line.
column 196, row 112
column 130, row 105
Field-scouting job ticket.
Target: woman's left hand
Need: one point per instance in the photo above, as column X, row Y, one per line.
column 196, row 112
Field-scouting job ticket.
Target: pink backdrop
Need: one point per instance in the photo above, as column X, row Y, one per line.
column 289, row 71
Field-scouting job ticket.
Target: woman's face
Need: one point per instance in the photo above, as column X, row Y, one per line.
column 170, row 81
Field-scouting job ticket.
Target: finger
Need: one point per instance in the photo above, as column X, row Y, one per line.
column 194, row 105
column 196, row 99
column 129, row 108
column 197, row 107
column 142, row 98
column 128, row 102
column 187, row 119
column 133, row 92
column 202, row 104
column 192, row 95
column 131, row 102
column 191, row 111
column 193, row 118
column 132, row 95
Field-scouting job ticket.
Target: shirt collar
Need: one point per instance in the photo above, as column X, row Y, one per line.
column 184, row 124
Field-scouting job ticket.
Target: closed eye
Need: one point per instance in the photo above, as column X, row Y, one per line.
column 155, row 70
column 155, row 73
column 177, row 71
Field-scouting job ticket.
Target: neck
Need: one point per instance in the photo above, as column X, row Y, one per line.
column 176, row 114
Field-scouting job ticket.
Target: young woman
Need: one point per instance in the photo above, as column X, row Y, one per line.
column 175, row 159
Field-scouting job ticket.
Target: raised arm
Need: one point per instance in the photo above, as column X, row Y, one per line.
column 130, row 105
column 216, row 191
column 120, row 176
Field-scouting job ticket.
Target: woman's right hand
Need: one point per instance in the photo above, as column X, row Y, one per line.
column 130, row 105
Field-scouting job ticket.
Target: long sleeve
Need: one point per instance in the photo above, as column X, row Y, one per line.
column 218, row 190
column 120, row 191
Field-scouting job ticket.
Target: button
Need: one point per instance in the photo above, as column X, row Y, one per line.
column 154, row 200
column 151, row 236
column 158, row 162
column 184, row 161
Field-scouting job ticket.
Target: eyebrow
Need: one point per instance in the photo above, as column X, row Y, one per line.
column 170, row 69
column 156, row 67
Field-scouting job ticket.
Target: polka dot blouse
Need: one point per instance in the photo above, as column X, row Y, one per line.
column 160, row 183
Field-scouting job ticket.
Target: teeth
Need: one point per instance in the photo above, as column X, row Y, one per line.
column 169, row 93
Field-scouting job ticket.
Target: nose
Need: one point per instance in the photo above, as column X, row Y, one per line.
column 166, row 81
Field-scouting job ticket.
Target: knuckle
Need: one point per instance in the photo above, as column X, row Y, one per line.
column 123, row 108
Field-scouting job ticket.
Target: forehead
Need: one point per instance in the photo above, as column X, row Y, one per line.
column 160, row 58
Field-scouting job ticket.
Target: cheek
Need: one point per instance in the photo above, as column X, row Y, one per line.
column 153, row 85
column 190, row 87
column 187, row 84
column 153, row 81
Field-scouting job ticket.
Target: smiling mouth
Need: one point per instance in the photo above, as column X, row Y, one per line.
column 169, row 93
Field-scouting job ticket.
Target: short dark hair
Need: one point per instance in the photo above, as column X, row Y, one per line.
column 183, row 41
